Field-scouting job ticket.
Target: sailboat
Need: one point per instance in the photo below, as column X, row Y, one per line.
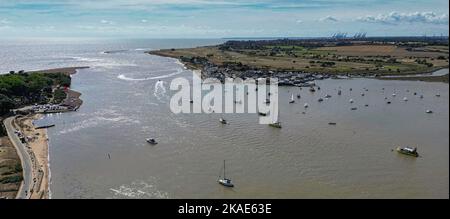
column 275, row 125
column 224, row 181
column 292, row 99
column 223, row 121
column 151, row 141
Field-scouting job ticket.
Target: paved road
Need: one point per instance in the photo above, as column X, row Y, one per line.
column 24, row 190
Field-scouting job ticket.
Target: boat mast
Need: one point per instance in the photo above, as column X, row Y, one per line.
column 224, row 170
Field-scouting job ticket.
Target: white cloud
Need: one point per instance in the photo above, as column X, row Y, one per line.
column 107, row 22
column 298, row 21
column 144, row 20
column 328, row 19
column 4, row 21
column 416, row 17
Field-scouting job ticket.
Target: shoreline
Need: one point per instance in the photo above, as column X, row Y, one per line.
column 37, row 138
column 73, row 97
column 67, row 71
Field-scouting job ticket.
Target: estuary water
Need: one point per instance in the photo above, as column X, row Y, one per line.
column 100, row 151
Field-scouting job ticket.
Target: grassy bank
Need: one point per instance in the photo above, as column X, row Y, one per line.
column 330, row 57
column 10, row 169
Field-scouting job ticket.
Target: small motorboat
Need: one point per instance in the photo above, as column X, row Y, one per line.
column 306, row 105
column 223, row 121
column 354, row 108
column 327, row 96
column 320, row 100
column 312, row 89
column 151, row 141
column 351, row 101
column 429, row 111
column 408, row 151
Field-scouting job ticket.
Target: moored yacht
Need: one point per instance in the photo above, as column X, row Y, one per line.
column 408, row 151
column 292, row 99
column 223, row 121
column 224, row 181
column 275, row 125
column 151, row 141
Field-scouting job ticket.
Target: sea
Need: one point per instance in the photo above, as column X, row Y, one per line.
column 100, row 151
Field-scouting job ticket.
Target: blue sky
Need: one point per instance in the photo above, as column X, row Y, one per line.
column 220, row 18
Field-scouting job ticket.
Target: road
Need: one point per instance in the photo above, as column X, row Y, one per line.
column 24, row 190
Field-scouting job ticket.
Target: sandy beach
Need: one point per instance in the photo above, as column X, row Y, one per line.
column 68, row 70
column 38, row 143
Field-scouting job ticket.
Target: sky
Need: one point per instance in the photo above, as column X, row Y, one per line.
column 220, row 18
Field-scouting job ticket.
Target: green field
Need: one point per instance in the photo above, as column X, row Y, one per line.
column 348, row 59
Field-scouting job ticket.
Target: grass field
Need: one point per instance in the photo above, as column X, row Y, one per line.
column 10, row 169
column 351, row 59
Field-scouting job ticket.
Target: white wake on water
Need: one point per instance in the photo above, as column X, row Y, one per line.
column 160, row 90
column 124, row 77
column 139, row 189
